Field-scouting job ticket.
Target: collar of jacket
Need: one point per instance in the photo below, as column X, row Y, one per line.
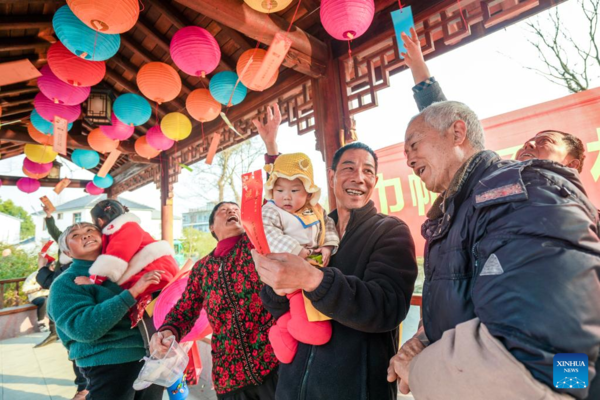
column 243, row 240
column 81, row 267
column 458, row 188
column 357, row 216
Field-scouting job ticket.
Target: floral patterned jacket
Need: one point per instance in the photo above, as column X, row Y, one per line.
column 228, row 289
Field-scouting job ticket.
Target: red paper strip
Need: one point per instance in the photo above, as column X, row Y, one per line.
column 252, row 189
column 46, row 247
column 108, row 163
column 60, row 135
column 212, row 150
column 273, row 59
column 61, row 185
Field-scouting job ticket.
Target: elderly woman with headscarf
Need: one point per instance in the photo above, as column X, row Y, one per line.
column 226, row 285
column 92, row 321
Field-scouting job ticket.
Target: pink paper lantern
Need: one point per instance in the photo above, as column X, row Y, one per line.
column 158, row 140
column 195, row 51
column 93, row 189
column 347, row 19
column 48, row 109
column 118, row 130
column 28, row 185
column 72, row 69
column 36, row 168
column 61, row 92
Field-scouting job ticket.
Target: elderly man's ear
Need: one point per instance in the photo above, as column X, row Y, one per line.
column 459, row 132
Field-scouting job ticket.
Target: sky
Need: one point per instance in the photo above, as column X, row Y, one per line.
column 488, row 74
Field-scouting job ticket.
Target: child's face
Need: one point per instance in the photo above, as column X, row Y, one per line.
column 290, row 195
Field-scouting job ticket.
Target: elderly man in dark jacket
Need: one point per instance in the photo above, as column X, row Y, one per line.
column 366, row 288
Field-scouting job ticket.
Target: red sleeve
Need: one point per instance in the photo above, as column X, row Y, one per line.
column 126, row 242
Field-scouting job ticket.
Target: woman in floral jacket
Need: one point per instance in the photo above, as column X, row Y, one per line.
column 226, row 285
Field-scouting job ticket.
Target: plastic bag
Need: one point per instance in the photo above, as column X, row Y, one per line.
column 165, row 370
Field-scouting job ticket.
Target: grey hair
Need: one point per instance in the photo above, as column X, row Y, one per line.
column 443, row 114
column 62, row 240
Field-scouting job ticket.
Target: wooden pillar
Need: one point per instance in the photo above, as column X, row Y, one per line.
column 330, row 114
column 166, row 200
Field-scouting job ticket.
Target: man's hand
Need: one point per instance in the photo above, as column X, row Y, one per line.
column 268, row 131
column 399, row 364
column 286, row 273
column 161, row 341
column 414, row 56
column 83, row 280
column 147, row 280
column 325, row 253
column 47, row 211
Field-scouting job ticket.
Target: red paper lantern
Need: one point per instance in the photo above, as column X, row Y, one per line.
column 49, row 109
column 202, row 106
column 72, row 69
column 144, row 149
column 195, row 51
column 347, row 19
column 28, row 185
column 38, row 136
column 34, row 175
column 157, row 139
column 100, row 142
column 93, row 189
column 106, row 16
column 159, row 82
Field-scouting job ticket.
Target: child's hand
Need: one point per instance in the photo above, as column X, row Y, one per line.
column 325, row 253
column 83, row 280
column 147, row 280
column 304, row 253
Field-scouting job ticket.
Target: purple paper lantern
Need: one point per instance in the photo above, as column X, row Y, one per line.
column 195, row 51
column 61, row 92
column 48, row 109
column 118, row 130
column 36, row 168
column 158, row 140
column 28, row 185
column 93, row 189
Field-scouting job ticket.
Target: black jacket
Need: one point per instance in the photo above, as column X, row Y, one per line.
column 45, row 275
column 366, row 291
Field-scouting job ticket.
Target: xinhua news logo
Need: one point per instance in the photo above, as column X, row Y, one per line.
column 571, row 371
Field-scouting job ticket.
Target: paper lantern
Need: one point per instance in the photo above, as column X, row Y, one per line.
column 257, row 55
column 159, row 82
column 176, row 126
column 144, row 149
column 157, row 139
column 132, row 109
column 106, row 16
column 28, row 185
column 347, row 19
column 100, row 142
column 43, row 125
column 40, row 154
column 268, row 6
column 36, row 168
column 60, row 92
column 38, row 136
column 221, row 87
column 167, row 299
column 34, row 175
column 195, row 51
column 48, row 109
column 87, row 159
column 202, row 106
column 72, row 69
column 103, row 183
column 93, row 189
column 82, row 40
column 118, row 130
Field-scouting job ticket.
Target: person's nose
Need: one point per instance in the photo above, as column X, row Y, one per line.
column 529, row 145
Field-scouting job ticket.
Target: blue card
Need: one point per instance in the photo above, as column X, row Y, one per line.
column 403, row 21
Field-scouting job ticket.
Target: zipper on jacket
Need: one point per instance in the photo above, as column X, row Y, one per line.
column 306, row 371
column 237, row 325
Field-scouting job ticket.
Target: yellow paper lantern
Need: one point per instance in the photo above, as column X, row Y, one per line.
column 159, row 82
column 176, row 126
column 40, row 154
column 202, row 106
column 144, row 149
column 268, row 6
column 257, row 55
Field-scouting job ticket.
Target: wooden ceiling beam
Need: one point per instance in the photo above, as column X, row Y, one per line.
column 22, row 44
column 8, row 23
column 44, row 182
column 16, row 101
column 308, row 54
column 17, row 91
column 16, row 111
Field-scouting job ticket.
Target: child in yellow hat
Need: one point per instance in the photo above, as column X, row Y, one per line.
column 294, row 222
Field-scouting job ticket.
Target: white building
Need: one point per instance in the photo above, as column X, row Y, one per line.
column 10, row 229
column 78, row 210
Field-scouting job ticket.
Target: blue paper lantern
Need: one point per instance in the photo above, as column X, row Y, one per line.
column 221, row 86
column 103, row 183
column 87, row 159
column 42, row 125
column 132, row 109
column 82, row 40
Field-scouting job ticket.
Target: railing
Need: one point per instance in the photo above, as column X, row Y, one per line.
column 5, row 282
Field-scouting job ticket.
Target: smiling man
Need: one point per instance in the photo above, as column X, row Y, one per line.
column 365, row 290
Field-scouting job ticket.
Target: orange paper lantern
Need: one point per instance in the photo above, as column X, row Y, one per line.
column 202, row 106
column 38, row 136
column 144, row 149
column 159, row 82
column 35, row 176
column 100, row 142
column 106, row 16
column 257, row 55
